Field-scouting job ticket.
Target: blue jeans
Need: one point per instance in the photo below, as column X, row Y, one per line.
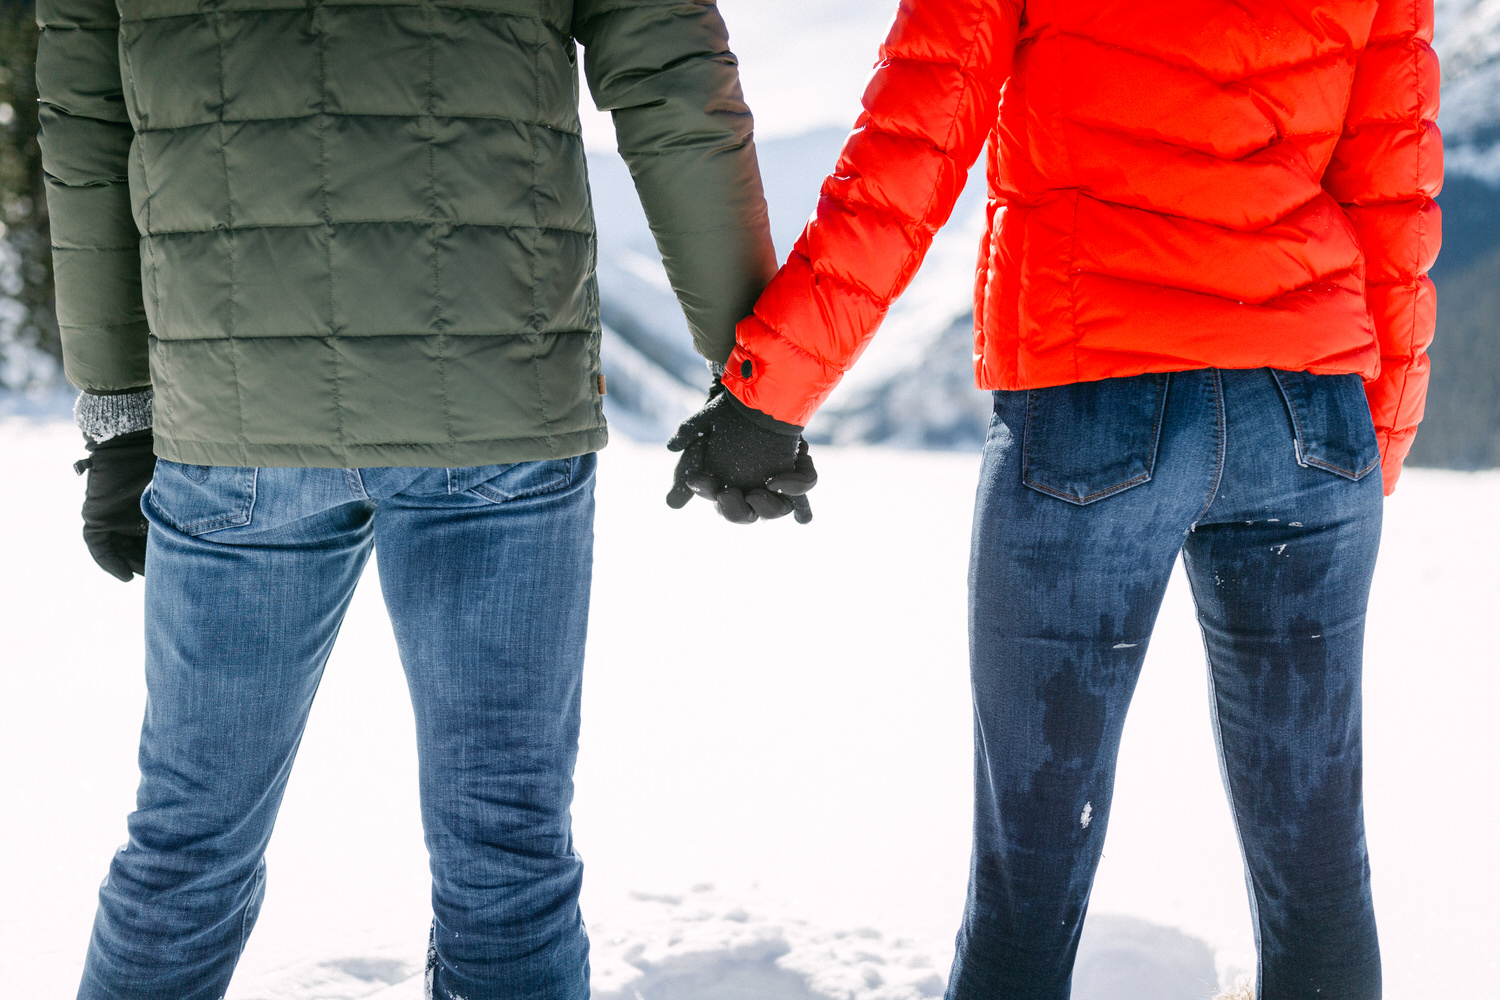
column 1268, row 483
column 486, row 575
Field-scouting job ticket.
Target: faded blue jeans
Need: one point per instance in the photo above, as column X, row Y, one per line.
column 1268, row 483
column 486, row 574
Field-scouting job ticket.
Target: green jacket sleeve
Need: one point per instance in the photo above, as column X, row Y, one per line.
column 664, row 70
column 85, row 139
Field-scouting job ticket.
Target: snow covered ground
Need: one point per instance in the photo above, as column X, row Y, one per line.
column 773, row 793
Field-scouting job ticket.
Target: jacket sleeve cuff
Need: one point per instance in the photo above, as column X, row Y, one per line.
column 104, row 416
column 763, row 420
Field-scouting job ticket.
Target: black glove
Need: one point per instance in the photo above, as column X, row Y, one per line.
column 114, row 528
column 750, row 465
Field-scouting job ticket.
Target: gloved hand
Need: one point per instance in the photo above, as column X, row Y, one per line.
column 114, row 528
column 749, row 471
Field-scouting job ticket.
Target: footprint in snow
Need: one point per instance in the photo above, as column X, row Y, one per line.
column 700, row 946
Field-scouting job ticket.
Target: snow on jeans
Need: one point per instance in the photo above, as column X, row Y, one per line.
column 486, row 575
column 1268, row 484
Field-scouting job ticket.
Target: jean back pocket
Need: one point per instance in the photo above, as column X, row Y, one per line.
column 197, row 499
column 1091, row 440
column 501, row 483
column 1330, row 422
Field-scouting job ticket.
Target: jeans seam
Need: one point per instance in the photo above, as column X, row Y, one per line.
column 1297, row 435
column 1161, row 417
column 1221, row 435
column 1234, row 814
column 246, row 924
column 1026, row 436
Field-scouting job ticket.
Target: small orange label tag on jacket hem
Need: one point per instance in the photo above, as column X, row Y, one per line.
column 601, row 384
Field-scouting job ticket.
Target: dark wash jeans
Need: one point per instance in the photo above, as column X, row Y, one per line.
column 486, row 574
column 1269, row 484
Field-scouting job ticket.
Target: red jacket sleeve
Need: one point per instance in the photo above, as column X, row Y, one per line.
column 927, row 111
column 1386, row 171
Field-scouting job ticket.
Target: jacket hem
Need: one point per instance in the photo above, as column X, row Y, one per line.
column 321, row 455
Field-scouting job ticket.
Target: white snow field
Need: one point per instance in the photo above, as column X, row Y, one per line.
column 773, row 792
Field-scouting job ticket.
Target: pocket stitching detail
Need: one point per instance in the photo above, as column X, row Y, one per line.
column 1161, row 409
column 1319, row 463
column 560, row 481
column 1298, row 436
column 1144, row 477
column 236, row 519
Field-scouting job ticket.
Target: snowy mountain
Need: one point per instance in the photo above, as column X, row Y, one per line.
column 803, row 65
column 1462, row 425
column 914, row 387
column 1468, row 44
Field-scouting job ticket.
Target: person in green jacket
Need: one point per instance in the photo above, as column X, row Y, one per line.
column 325, row 275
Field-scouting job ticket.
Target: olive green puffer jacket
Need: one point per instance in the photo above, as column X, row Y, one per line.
column 359, row 233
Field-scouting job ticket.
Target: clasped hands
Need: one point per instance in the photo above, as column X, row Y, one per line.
column 744, row 463
column 748, row 465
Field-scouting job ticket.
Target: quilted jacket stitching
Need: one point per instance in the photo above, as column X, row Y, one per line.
column 536, row 207
column 315, row 279
column 1405, row 376
column 1187, row 65
column 234, row 353
column 335, row 223
column 321, row 126
column 313, row 115
column 518, row 15
column 439, row 324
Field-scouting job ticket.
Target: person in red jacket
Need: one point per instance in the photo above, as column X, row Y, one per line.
column 1202, row 304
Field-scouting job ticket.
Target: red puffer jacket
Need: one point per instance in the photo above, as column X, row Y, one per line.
column 1173, row 185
